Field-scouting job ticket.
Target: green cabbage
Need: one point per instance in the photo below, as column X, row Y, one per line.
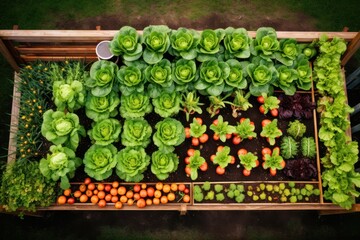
column 289, row 50
column 163, row 163
column 265, row 43
column 100, row 108
column 169, row 133
column 157, row 42
column 287, row 79
column 159, row 77
column 105, row 132
column 209, row 44
column 237, row 76
column 131, row 79
column 135, row 105
column 127, row 43
column 184, row 73
column 137, row 132
column 237, row 43
column 167, row 104
column 184, row 42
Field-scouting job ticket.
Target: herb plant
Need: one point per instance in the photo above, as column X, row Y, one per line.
column 190, row 104
column 221, row 128
column 240, row 102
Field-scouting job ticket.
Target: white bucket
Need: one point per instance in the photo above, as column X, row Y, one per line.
column 103, row 51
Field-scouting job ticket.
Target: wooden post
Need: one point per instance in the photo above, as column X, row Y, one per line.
column 8, row 56
column 351, row 50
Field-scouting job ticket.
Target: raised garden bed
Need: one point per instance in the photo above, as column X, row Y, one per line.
column 253, row 183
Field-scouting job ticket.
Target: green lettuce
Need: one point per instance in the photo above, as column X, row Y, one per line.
column 169, row 133
column 137, row 132
column 167, row 104
column 105, row 131
column 184, row 42
column 131, row 79
column 127, row 43
column 209, row 44
column 163, row 163
column 100, row 108
column 157, row 42
column 135, row 105
column 159, row 77
column 237, row 43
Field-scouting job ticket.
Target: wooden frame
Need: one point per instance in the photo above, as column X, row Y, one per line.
column 24, row 46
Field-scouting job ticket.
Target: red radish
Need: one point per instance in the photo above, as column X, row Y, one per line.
column 272, row 171
column 187, row 132
column 242, row 151
column 204, row 167
column 187, row 160
column 262, row 109
column 228, row 136
column 252, row 123
column 199, row 120
column 236, row 140
column 215, row 122
column 265, row 122
column 195, row 141
column 266, row 151
column 246, row 172
column 216, row 137
column 260, row 99
column 190, row 152
column 204, row 138
column 188, row 171
column 220, row 170
column 219, row 148
column 212, row 157
column 232, row 160
column 274, row 112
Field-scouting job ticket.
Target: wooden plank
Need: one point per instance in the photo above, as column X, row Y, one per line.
column 15, row 108
column 56, row 50
column 60, row 58
column 8, row 56
column 351, row 49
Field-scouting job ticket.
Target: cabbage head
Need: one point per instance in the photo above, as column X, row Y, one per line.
column 62, row 128
column 265, row 43
column 99, row 161
column 159, row 77
column 135, row 105
column 289, row 50
column 131, row 163
column 237, row 76
column 127, row 43
column 237, row 43
column 157, row 42
column 131, row 79
column 137, row 132
column 105, row 131
column 209, row 44
column 184, row 42
column 169, row 133
column 287, row 79
column 100, row 108
column 163, row 163
column 167, row 104
column 184, row 73
column 60, row 163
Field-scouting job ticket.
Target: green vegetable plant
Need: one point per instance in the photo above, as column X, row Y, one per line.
column 237, row 76
column 137, row 132
column 237, row 43
column 62, row 128
column 265, row 43
column 308, row 147
column 197, row 131
column 131, row 163
column 244, row 130
column 217, row 103
column 157, row 42
column 185, row 74
column 304, row 73
column 195, row 162
column 102, row 78
column 184, row 42
column 270, row 131
column 131, row 78
column 198, row 195
column 135, row 105
column 209, row 44
column 248, row 161
column 240, row 102
column 221, row 129
column 159, row 77
column 99, row 108
column 190, row 104
column 99, row 161
column 167, row 104
column 288, row 51
column 269, row 103
column 287, row 79
column 273, row 161
column 59, row 164
column 163, row 163
column 169, row 133
column 127, row 43
column 105, row 131
column 289, row 147
column 296, row 129
column 222, row 157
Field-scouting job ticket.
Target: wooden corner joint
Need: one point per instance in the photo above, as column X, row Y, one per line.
column 183, row 209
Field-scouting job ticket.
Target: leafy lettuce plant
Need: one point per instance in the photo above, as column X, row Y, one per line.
column 237, row 43
column 273, row 161
column 195, row 161
column 222, row 157
column 301, row 169
column 270, row 103
column 135, row 105
column 184, row 74
column 265, row 43
column 287, row 79
column 245, row 129
column 163, row 163
column 62, row 128
column 190, row 104
column 296, row 129
column 270, row 131
column 157, row 42
column 102, row 78
column 127, row 43
column 216, row 103
column 100, row 108
column 197, row 129
column 137, row 132
column 262, row 75
column 248, row 161
column 240, row 102
column 289, row 147
column 59, row 164
column 288, row 51
column 131, row 163
column 159, row 77
column 221, row 128
column 169, row 133
column 184, row 42
column 99, row 161
column 209, row 44
column 212, row 77
column 105, row 131
column 131, row 79
column 308, row 147
column 237, row 76
column 167, row 104
column 302, row 66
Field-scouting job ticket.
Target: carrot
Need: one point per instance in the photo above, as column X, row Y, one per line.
column 204, row 138
column 215, row 122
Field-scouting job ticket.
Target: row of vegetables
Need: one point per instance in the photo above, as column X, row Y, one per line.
column 162, row 72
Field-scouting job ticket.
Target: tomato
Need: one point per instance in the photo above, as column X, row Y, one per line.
column 187, row 132
column 114, row 199
column 265, row 122
column 95, row 191
column 242, row 151
column 220, row 170
column 129, row 194
column 157, row 194
column 137, row 188
column 232, row 160
column 123, row 199
column 82, row 188
column 87, row 180
column 186, row 198
column 242, row 120
column 115, row 184
column 156, row 201
column 195, row 141
column 257, row 163
column 174, row 187
column 141, row 203
column 101, row 194
column 215, row 122
column 136, row 196
column 216, row 137
column 102, row 203
column 252, row 123
column 266, row 151
column 187, row 160
column 91, row 186
column 130, row 202
column 61, row 200
column 236, row 140
column 228, row 136
column 260, row 99
column 166, row 188
column 282, row 163
column 199, row 120
column 274, row 112
column 100, row 187
column 121, row 190
column 188, row 171
column 143, row 186
column 204, row 138
column 113, row 191
column 246, row 172
column 108, row 197
column 164, row 199
column 83, row 198
column 186, row 190
column 67, row 192
column 159, row 186
column 150, row 191
column 89, row 193
column 219, row 148
column 143, row 193
column 204, row 167
column 190, row 152
column 171, row 197
column 77, row 194
column 118, row 205
column 272, row 171
column 262, row 109
column 107, row 188
column 181, row 187
column 148, row 202
column 94, row 199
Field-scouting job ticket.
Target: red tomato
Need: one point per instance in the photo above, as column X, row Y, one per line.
column 257, row 163
column 107, row 188
column 274, row 112
column 187, row 132
column 219, row 148
column 212, row 157
column 246, row 172
column 272, row 171
column 186, row 198
column 232, row 160
column 71, row 200
column 265, row 122
column 137, row 188
column 186, row 190
column 242, row 151
column 87, row 181
column 118, row 205
column 260, row 99
column 195, row 141
column 204, row 167
column 228, row 136
column 220, row 170
column 143, row 193
column 204, row 138
column 181, row 187
column 102, row 203
column 190, row 152
column 188, row 171
column 91, row 186
column 252, row 123
column 266, row 151
column 262, row 109
column 199, row 120
column 236, row 140
column 215, row 122
column 187, row 160
column 216, row 137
